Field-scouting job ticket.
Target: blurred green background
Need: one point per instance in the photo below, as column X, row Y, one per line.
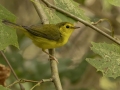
column 29, row 62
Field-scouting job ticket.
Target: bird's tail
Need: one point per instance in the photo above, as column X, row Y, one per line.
column 16, row 26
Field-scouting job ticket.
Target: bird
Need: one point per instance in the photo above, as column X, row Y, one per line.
column 46, row 36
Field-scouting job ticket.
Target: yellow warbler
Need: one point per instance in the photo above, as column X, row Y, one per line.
column 47, row 36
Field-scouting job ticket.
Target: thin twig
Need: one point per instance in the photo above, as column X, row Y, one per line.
column 82, row 21
column 5, row 58
column 111, row 28
column 32, row 81
column 42, row 81
column 13, row 84
column 22, row 81
column 53, row 64
column 38, row 84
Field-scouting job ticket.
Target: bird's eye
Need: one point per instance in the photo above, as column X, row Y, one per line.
column 67, row 26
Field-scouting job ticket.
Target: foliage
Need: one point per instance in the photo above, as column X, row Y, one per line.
column 67, row 5
column 51, row 14
column 7, row 34
column 109, row 61
column 71, row 7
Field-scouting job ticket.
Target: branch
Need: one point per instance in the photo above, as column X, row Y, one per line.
column 24, row 80
column 40, row 11
column 42, row 81
column 55, row 74
column 5, row 58
column 82, row 21
column 53, row 64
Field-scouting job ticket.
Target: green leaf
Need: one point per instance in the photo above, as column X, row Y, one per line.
column 53, row 18
column 67, row 5
column 64, row 18
column 7, row 34
column 71, row 7
column 3, row 88
column 109, row 61
column 114, row 2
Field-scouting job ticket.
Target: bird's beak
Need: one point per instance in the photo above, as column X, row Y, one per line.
column 75, row 27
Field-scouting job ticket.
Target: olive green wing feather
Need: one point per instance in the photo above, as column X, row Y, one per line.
column 48, row 31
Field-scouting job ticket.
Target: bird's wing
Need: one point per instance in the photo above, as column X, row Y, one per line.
column 48, row 31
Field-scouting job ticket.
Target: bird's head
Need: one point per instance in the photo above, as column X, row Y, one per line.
column 66, row 28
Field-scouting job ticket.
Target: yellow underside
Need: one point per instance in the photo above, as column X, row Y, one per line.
column 47, row 44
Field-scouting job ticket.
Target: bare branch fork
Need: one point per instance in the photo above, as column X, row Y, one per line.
column 80, row 20
column 53, row 63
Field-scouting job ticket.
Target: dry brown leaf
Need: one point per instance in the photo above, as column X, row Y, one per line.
column 4, row 74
